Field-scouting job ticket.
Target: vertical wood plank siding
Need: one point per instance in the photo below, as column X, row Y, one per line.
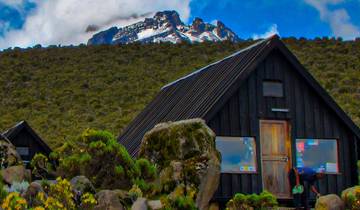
column 308, row 115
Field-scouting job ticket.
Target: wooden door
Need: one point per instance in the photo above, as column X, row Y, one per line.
column 275, row 157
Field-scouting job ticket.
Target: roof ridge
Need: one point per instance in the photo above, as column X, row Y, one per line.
column 275, row 36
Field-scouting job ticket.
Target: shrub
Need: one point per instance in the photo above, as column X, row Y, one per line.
column 98, row 153
column 352, row 198
column 41, row 167
column 88, row 201
column 14, row 201
column 60, row 196
column 242, row 202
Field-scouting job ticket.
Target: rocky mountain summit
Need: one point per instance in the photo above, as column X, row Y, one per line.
column 165, row 26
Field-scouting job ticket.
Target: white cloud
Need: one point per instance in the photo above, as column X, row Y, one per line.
column 272, row 30
column 338, row 19
column 12, row 3
column 65, row 21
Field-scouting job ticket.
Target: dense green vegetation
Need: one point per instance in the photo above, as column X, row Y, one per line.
column 63, row 90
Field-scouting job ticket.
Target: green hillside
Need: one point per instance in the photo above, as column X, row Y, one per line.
column 61, row 91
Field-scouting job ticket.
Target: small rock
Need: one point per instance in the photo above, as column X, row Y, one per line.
column 82, row 184
column 108, row 200
column 329, row 202
column 155, row 204
column 139, row 204
column 13, row 174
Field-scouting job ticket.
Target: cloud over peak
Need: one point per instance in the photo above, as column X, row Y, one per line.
column 66, row 21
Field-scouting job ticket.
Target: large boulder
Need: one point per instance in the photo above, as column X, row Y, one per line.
column 108, row 200
column 329, row 202
column 82, row 184
column 349, row 196
column 14, row 174
column 8, row 154
column 185, row 153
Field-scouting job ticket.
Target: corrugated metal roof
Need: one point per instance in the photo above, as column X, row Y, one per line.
column 193, row 95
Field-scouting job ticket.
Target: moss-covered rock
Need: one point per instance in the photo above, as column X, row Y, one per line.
column 185, row 153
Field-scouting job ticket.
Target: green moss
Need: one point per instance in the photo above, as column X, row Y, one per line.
column 147, row 169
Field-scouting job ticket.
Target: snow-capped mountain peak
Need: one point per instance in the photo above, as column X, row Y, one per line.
column 165, row 26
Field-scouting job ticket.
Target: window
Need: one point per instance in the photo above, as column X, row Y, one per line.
column 238, row 154
column 273, row 89
column 23, row 151
column 318, row 154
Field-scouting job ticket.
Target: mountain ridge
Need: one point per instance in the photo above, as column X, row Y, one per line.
column 165, row 26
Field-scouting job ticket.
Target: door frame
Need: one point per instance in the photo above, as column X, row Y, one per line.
column 289, row 143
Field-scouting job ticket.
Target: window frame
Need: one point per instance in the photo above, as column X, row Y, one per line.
column 273, row 95
column 337, row 152
column 255, row 157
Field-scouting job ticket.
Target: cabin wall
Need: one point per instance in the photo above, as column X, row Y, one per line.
column 308, row 115
column 25, row 139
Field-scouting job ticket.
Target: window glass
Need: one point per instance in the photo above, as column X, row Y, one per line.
column 23, row 151
column 318, row 154
column 273, row 89
column 238, row 154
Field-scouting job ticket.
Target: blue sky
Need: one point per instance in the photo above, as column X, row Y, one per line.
column 29, row 22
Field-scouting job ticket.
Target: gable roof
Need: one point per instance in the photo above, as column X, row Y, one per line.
column 201, row 93
column 14, row 131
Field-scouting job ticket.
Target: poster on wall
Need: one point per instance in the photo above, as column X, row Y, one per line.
column 318, row 154
column 238, row 154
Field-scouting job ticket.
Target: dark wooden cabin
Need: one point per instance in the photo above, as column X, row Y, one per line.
column 26, row 141
column 269, row 114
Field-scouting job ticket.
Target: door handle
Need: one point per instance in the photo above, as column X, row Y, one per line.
column 285, row 159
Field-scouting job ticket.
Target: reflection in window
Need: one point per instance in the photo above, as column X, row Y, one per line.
column 318, row 154
column 238, row 154
column 273, row 89
column 23, row 151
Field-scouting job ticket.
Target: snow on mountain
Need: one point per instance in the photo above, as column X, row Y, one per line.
column 165, row 26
